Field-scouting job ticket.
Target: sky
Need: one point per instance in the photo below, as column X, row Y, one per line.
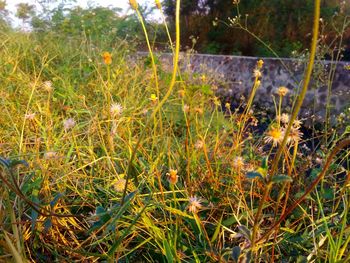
column 11, row 4
column 115, row 3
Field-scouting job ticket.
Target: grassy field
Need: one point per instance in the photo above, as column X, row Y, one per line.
column 105, row 158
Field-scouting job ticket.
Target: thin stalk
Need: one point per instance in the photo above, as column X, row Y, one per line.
column 154, row 67
column 161, row 103
column 293, row 117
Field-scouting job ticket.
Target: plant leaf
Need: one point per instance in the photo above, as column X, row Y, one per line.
column 281, row 178
column 253, row 175
column 265, row 163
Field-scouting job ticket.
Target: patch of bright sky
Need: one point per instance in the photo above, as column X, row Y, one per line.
column 124, row 4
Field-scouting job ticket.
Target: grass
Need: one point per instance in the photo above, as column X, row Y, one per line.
column 107, row 159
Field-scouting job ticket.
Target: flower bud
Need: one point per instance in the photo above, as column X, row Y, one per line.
column 133, row 4
column 159, row 6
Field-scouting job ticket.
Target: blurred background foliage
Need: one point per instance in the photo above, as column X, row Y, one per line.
column 284, row 26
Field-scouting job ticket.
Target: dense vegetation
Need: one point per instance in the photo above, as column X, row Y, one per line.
column 106, row 157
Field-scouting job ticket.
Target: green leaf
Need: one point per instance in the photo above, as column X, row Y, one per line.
column 236, row 252
column 229, row 221
column 253, row 175
column 265, row 163
column 168, row 254
column 281, row 178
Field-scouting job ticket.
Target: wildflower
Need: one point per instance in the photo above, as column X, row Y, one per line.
column 297, row 123
column 257, row 73
column 227, row 105
column 274, row 135
column 282, row 91
column 107, row 58
column 347, row 67
column 181, row 93
column 120, row 185
column 50, row 155
column 284, row 118
column 195, row 204
column 68, row 124
column 47, row 85
column 294, row 135
column 199, row 144
column 216, row 101
column 133, row 4
column 203, row 77
column 29, row 116
column 238, row 162
column 116, row 109
column 186, row 108
column 153, row 98
column 198, row 110
column 260, row 64
column 172, row 176
column 159, row 6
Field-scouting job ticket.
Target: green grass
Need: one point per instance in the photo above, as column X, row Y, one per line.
column 65, row 203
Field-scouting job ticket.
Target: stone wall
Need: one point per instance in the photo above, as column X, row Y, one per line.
column 234, row 78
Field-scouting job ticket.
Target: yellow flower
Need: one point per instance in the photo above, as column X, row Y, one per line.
column 107, row 58
column 274, row 135
column 282, row 91
column 133, row 4
column 259, row 64
column 181, row 93
column 172, row 176
column 120, row 185
column 153, row 97
column 159, row 6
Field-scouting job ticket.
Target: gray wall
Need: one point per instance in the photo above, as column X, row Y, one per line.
column 234, row 77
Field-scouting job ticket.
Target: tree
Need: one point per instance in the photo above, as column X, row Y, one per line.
column 283, row 25
column 25, row 11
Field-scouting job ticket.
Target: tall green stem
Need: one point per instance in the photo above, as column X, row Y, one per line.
column 292, row 119
column 161, row 103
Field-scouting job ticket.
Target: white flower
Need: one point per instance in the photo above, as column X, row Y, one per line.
column 68, row 124
column 116, row 109
column 29, row 116
column 47, row 85
column 195, row 204
column 50, row 155
column 238, row 162
column 284, row 118
column 257, row 73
